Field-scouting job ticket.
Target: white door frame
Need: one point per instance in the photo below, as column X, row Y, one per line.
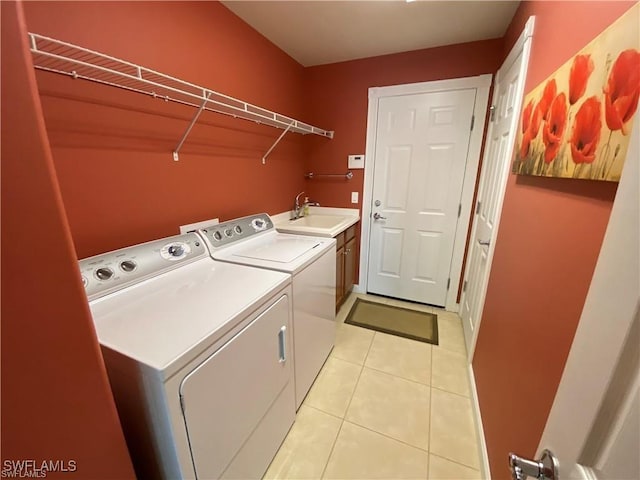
column 522, row 45
column 483, row 84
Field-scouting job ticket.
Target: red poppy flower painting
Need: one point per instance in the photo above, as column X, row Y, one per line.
column 578, row 76
column 586, row 132
column 576, row 123
column 622, row 90
column 554, row 127
column 547, row 97
column 531, row 118
column 526, row 116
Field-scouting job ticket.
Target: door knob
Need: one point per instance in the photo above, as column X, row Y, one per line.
column 544, row 469
column 486, row 243
column 377, row 216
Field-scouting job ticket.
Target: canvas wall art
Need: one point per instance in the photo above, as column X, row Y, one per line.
column 577, row 123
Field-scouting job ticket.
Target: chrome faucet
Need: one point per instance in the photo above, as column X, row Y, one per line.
column 298, row 210
column 297, row 207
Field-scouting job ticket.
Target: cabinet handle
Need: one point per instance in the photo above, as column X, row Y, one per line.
column 347, row 251
column 282, row 345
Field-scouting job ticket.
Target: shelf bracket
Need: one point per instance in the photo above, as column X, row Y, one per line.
column 264, row 157
column 188, row 130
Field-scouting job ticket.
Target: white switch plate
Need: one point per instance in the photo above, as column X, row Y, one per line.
column 354, row 197
column 356, row 161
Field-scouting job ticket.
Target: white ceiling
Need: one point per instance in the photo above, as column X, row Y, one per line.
column 321, row 32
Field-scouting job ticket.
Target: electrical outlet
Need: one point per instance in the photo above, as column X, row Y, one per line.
column 354, row 197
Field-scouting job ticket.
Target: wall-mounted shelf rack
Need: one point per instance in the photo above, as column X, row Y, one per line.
column 65, row 58
column 347, row 176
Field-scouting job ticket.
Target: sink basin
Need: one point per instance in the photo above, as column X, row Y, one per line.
column 317, row 224
column 318, row 221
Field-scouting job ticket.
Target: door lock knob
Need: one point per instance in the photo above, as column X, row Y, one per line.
column 544, row 469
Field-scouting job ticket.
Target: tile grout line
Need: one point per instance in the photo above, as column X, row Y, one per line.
column 452, row 393
column 333, row 447
column 398, row 376
column 385, row 435
column 322, row 411
column 324, row 470
column 454, row 461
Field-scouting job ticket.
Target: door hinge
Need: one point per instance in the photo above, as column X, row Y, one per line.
column 459, row 209
column 464, row 286
column 473, row 120
column 492, row 115
column 448, row 283
column 478, row 207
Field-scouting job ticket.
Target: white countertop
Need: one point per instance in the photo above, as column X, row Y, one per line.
column 321, row 221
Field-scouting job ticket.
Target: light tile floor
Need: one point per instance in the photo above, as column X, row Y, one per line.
column 385, row 407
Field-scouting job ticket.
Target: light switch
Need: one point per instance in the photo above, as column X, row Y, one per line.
column 354, row 197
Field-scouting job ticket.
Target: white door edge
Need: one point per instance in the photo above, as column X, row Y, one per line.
column 482, row 84
column 485, row 470
column 522, row 45
column 609, row 310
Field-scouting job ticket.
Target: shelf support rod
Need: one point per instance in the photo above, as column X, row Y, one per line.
column 264, row 157
column 193, row 122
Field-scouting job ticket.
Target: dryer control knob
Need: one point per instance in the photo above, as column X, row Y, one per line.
column 128, row 266
column 176, row 250
column 104, row 273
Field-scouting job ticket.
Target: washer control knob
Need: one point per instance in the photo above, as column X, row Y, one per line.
column 128, row 266
column 258, row 224
column 238, row 229
column 104, row 273
column 228, row 232
column 175, row 251
column 217, row 235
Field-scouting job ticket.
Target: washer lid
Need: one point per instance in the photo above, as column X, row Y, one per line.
column 276, row 251
column 166, row 321
column 279, row 249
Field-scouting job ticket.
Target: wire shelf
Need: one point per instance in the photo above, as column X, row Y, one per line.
column 56, row 56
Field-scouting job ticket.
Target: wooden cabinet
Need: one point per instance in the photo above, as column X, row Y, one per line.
column 345, row 263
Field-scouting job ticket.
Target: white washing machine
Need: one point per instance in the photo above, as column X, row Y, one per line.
column 311, row 261
column 198, row 357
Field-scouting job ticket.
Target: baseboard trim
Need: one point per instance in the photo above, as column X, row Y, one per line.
column 485, row 471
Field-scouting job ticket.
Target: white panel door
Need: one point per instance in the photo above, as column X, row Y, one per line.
column 421, row 153
column 593, row 427
column 508, row 93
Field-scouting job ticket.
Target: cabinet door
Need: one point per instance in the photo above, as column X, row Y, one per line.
column 339, row 276
column 349, row 265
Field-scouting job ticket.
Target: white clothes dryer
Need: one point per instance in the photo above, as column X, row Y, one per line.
column 311, row 261
column 198, row 357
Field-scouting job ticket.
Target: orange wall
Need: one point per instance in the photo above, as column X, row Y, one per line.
column 338, row 98
column 56, row 401
column 112, row 149
column 339, row 94
column 547, row 246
